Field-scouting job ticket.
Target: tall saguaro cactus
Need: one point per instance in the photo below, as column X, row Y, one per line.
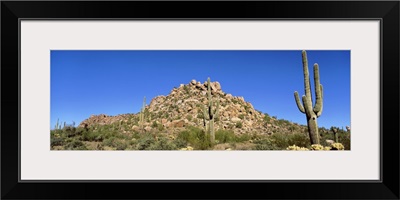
column 141, row 115
column 209, row 114
column 312, row 113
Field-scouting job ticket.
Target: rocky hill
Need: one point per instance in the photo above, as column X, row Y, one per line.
column 182, row 107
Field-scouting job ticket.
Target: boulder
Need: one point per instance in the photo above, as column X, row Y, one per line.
column 330, row 142
column 217, row 85
column 212, row 86
column 235, row 119
column 147, row 128
column 177, row 124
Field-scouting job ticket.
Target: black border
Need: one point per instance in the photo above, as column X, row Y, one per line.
column 386, row 11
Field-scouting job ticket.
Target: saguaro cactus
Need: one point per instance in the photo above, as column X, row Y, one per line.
column 312, row 113
column 209, row 114
column 335, row 135
column 141, row 115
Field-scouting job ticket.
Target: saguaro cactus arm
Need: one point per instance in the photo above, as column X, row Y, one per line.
column 217, row 110
column 205, row 114
column 319, row 112
column 307, row 106
column 318, row 94
column 307, row 88
column 299, row 105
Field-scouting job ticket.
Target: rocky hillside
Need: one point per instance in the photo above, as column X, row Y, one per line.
column 182, row 107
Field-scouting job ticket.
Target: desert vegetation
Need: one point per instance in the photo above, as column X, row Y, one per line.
column 200, row 116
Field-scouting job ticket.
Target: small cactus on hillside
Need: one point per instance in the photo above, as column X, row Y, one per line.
column 335, row 135
column 141, row 115
column 312, row 113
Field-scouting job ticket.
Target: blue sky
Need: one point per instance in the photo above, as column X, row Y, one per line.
column 114, row 82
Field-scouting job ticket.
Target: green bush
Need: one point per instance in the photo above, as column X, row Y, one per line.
column 56, row 141
column 75, row 145
column 300, row 140
column 225, row 136
column 119, row 144
column 180, row 143
column 162, row 144
column 92, row 136
column 265, row 144
column 344, row 138
column 154, row 125
column 239, row 125
column 195, row 137
column 284, row 140
column 145, row 142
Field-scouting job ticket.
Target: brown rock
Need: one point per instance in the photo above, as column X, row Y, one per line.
column 212, row 86
column 217, row 85
column 177, row 124
column 235, row 119
column 147, row 128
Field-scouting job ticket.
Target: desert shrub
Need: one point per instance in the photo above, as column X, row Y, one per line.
column 228, row 136
column 282, row 141
column 74, row 145
column 225, row 136
column 180, row 143
column 56, row 141
column 67, row 131
column 115, row 142
column 243, row 137
column 92, row 136
column 154, row 124
column 265, row 144
column 195, row 137
column 344, row 139
column 299, row 140
column 239, row 125
column 162, row 144
column 145, row 142
column 267, row 118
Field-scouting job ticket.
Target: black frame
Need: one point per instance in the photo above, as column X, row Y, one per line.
column 386, row 11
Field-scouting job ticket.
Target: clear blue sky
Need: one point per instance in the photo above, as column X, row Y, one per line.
column 114, row 82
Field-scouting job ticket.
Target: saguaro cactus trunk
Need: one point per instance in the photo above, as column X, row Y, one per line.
column 312, row 113
column 209, row 114
column 141, row 115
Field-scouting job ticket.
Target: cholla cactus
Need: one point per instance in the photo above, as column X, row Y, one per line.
column 327, row 148
column 337, row 146
column 296, row 148
column 317, row 147
column 312, row 113
column 188, row 148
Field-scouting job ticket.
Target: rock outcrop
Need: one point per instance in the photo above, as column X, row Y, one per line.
column 183, row 107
